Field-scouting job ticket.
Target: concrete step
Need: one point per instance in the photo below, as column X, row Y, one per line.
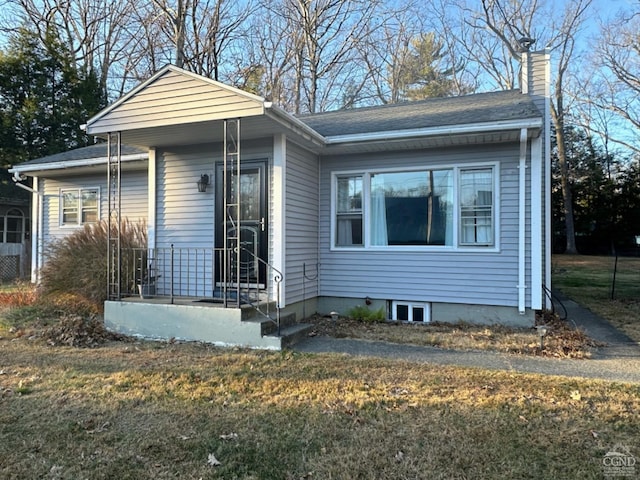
column 291, row 334
column 269, row 326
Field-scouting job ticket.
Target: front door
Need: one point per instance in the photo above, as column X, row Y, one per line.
column 252, row 229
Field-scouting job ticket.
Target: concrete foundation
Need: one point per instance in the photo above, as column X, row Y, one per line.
column 441, row 312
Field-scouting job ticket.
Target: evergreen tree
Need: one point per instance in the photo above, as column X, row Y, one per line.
column 43, row 98
column 594, row 187
column 43, row 101
column 426, row 71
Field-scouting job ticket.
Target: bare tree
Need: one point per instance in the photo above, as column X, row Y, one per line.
column 613, row 101
column 99, row 32
column 275, row 51
column 199, row 31
column 385, row 51
column 508, row 22
column 325, row 34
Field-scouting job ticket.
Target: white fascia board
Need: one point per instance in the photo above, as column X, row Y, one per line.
column 85, row 162
column 437, row 131
column 294, row 124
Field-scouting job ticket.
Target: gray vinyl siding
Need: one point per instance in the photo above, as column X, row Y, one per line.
column 134, row 199
column 173, row 99
column 457, row 276
column 301, row 211
column 184, row 216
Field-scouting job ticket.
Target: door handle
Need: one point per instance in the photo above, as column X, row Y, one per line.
column 262, row 223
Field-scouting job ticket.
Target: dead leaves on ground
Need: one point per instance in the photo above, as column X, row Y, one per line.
column 562, row 341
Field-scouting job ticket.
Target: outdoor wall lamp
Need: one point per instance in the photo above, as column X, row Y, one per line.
column 203, row 182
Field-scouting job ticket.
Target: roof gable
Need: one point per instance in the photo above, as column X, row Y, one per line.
column 175, row 97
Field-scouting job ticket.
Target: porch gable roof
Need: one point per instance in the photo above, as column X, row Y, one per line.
column 175, row 97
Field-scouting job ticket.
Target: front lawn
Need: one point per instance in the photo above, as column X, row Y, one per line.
column 144, row 410
column 589, row 280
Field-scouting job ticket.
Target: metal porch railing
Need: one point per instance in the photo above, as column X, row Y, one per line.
column 198, row 274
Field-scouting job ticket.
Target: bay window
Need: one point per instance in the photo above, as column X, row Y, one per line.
column 446, row 207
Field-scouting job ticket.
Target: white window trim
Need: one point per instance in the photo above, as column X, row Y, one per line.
column 494, row 214
column 366, row 208
column 426, row 307
column 79, row 190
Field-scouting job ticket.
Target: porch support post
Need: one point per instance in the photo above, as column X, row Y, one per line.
column 151, row 201
column 278, row 217
column 537, row 191
column 114, row 201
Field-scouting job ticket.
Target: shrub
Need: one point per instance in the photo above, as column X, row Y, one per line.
column 76, row 266
column 20, row 296
column 365, row 314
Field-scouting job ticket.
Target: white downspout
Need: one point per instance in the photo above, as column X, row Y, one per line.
column 547, row 170
column 40, row 243
column 37, row 223
column 522, row 214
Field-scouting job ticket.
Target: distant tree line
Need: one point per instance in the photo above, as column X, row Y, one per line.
column 606, row 196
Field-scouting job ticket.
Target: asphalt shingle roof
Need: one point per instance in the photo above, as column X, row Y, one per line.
column 434, row 112
column 99, row 150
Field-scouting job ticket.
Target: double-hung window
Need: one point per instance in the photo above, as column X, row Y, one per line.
column 476, row 206
column 79, row 206
column 438, row 207
column 349, row 211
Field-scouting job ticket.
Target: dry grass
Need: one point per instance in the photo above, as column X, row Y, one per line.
column 562, row 340
column 589, row 280
column 158, row 411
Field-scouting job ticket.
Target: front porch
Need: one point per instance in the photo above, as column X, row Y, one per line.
column 178, row 293
column 193, row 320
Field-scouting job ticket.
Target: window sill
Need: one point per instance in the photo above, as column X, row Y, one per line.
column 417, row 249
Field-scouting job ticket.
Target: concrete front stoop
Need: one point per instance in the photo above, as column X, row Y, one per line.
column 209, row 323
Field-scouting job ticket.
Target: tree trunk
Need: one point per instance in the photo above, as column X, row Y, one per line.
column 565, row 186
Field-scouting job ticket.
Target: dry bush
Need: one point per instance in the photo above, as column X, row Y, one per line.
column 20, row 297
column 76, row 265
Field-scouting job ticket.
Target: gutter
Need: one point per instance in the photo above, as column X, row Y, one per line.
column 436, row 131
column 85, row 162
column 522, row 215
column 293, row 123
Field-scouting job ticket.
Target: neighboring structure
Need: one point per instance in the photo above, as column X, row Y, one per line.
column 437, row 210
column 15, row 243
